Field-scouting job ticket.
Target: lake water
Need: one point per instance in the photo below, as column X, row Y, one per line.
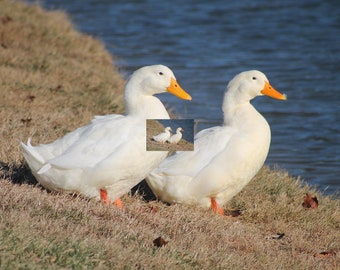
column 295, row 43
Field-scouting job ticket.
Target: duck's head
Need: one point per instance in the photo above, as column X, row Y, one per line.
column 155, row 79
column 249, row 84
column 168, row 129
column 180, row 129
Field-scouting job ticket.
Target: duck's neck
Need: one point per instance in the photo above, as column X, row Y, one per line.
column 141, row 105
column 242, row 115
column 148, row 107
column 250, row 125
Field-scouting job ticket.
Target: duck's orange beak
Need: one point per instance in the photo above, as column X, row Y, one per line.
column 175, row 89
column 268, row 90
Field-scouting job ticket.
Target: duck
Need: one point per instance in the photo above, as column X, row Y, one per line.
column 107, row 157
column 164, row 136
column 226, row 157
column 174, row 139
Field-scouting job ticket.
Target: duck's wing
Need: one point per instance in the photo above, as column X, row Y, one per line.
column 158, row 136
column 98, row 140
column 161, row 137
column 233, row 167
column 38, row 156
column 208, row 143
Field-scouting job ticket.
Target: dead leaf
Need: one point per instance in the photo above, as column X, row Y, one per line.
column 233, row 213
column 26, row 121
column 5, row 19
column 159, row 242
column 310, row 202
column 276, row 236
column 324, row 254
column 30, row 97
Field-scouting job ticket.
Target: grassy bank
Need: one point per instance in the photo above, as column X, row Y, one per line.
column 54, row 79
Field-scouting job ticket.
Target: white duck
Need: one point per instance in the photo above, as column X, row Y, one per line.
column 226, row 157
column 107, row 157
column 177, row 136
column 162, row 137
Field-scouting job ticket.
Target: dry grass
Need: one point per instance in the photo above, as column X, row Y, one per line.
column 53, row 80
column 40, row 228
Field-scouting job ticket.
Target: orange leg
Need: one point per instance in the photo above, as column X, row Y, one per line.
column 104, row 197
column 214, row 206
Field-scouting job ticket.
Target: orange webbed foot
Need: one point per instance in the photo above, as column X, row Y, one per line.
column 106, row 200
column 214, row 206
column 118, row 203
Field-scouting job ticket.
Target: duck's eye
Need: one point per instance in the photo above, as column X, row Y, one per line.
column 160, row 73
column 254, row 78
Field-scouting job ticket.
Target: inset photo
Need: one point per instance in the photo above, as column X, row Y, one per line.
column 170, row 134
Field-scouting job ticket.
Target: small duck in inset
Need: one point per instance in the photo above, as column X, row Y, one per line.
column 164, row 136
column 174, row 139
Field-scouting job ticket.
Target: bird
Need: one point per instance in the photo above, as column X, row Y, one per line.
column 176, row 137
column 107, row 157
column 225, row 157
column 164, row 136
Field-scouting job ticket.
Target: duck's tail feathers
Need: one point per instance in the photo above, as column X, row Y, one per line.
column 33, row 158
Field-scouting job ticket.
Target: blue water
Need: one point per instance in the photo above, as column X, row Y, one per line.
column 295, row 43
